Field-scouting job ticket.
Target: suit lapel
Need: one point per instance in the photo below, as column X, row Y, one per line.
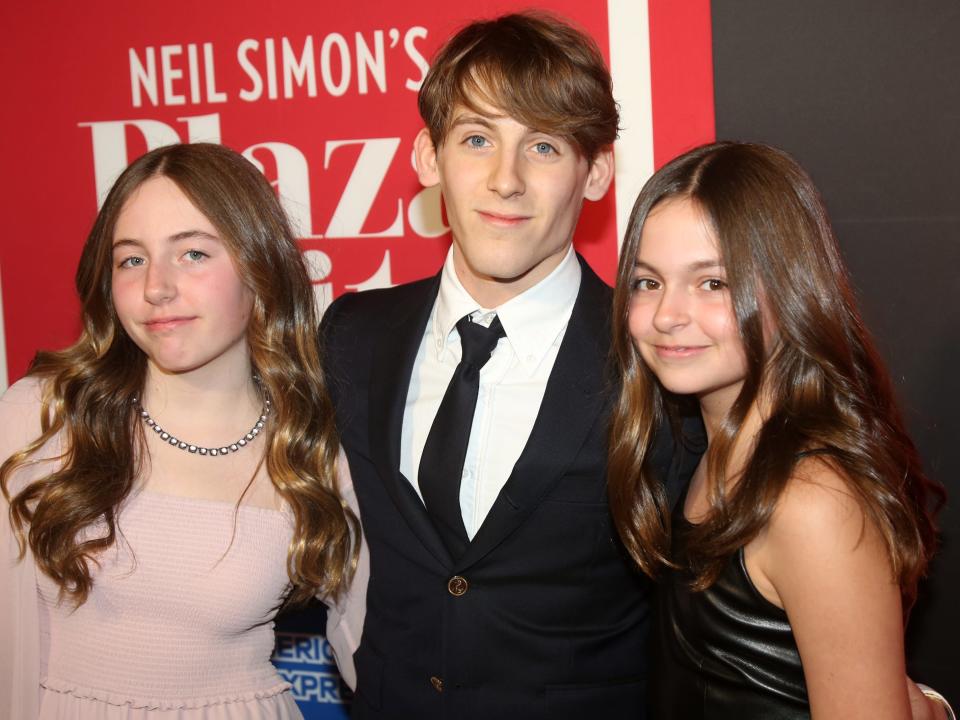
column 575, row 394
column 390, row 380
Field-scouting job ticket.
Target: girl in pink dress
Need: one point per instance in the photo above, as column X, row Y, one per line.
column 173, row 477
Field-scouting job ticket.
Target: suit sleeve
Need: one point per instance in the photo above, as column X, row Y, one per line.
column 21, row 654
column 336, row 345
column 345, row 617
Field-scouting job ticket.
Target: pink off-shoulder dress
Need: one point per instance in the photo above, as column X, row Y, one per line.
column 179, row 624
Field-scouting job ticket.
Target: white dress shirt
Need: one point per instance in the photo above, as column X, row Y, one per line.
column 512, row 383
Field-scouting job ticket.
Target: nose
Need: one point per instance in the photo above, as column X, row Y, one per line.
column 506, row 175
column 673, row 310
column 159, row 284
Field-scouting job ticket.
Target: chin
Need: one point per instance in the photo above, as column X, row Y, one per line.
column 177, row 365
column 681, row 389
column 507, row 275
column 173, row 368
column 681, row 386
column 498, row 270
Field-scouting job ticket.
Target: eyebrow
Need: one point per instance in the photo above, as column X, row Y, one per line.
column 692, row 267
column 474, row 120
column 486, row 121
column 182, row 235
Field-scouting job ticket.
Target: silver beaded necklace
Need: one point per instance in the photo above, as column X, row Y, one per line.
column 198, row 449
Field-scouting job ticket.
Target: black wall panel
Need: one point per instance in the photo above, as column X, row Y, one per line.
column 866, row 94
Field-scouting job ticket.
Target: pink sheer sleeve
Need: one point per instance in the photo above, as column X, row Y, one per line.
column 21, row 654
column 345, row 617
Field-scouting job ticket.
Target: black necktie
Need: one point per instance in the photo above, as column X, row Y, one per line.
column 441, row 464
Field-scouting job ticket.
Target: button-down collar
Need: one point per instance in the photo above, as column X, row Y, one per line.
column 533, row 320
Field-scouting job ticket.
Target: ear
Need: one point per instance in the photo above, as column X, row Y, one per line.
column 600, row 175
column 425, row 159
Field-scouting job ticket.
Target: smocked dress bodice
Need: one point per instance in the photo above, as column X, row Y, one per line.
column 179, row 622
column 180, row 617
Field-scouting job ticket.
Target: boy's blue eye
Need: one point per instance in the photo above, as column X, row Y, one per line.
column 544, row 148
column 476, row 141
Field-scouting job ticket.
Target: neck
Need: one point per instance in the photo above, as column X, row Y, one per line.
column 205, row 395
column 714, row 410
column 492, row 291
column 743, row 443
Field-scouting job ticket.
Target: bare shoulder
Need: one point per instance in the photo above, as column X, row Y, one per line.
column 819, row 536
column 20, row 415
column 820, row 506
column 27, row 391
column 20, row 407
column 830, row 568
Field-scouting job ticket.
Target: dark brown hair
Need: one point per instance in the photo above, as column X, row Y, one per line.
column 89, row 387
column 826, row 385
column 536, row 68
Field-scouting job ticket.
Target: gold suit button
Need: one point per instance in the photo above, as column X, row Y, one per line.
column 437, row 683
column 458, row 586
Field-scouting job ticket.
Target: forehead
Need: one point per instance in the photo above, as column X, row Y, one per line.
column 479, row 109
column 479, row 100
column 478, row 95
column 158, row 206
column 677, row 232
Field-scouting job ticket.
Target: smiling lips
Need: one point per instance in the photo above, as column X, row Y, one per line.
column 679, row 352
column 166, row 323
column 502, row 220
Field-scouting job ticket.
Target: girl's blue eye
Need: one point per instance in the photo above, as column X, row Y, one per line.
column 195, row 255
column 133, row 261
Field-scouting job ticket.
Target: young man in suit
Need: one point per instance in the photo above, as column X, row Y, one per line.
column 473, row 408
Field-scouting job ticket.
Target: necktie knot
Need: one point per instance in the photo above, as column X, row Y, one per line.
column 478, row 342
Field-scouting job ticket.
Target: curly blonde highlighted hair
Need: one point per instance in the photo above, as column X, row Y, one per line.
column 89, row 387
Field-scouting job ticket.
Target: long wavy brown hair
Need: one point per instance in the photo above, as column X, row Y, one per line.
column 825, row 383
column 89, row 388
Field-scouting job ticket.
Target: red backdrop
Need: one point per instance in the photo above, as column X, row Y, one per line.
column 321, row 95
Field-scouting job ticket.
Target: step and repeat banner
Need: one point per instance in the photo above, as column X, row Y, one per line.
column 322, row 98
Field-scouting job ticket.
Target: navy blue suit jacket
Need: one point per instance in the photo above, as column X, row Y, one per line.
column 554, row 618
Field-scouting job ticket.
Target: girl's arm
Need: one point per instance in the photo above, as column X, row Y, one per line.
column 345, row 617
column 20, row 651
column 826, row 564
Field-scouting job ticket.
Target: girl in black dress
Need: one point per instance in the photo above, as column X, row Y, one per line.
column 787, row 567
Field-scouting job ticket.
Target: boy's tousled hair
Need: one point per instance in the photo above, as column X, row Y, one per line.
column 534, row 67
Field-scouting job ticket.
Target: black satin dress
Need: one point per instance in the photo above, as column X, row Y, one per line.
column 726, row 653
